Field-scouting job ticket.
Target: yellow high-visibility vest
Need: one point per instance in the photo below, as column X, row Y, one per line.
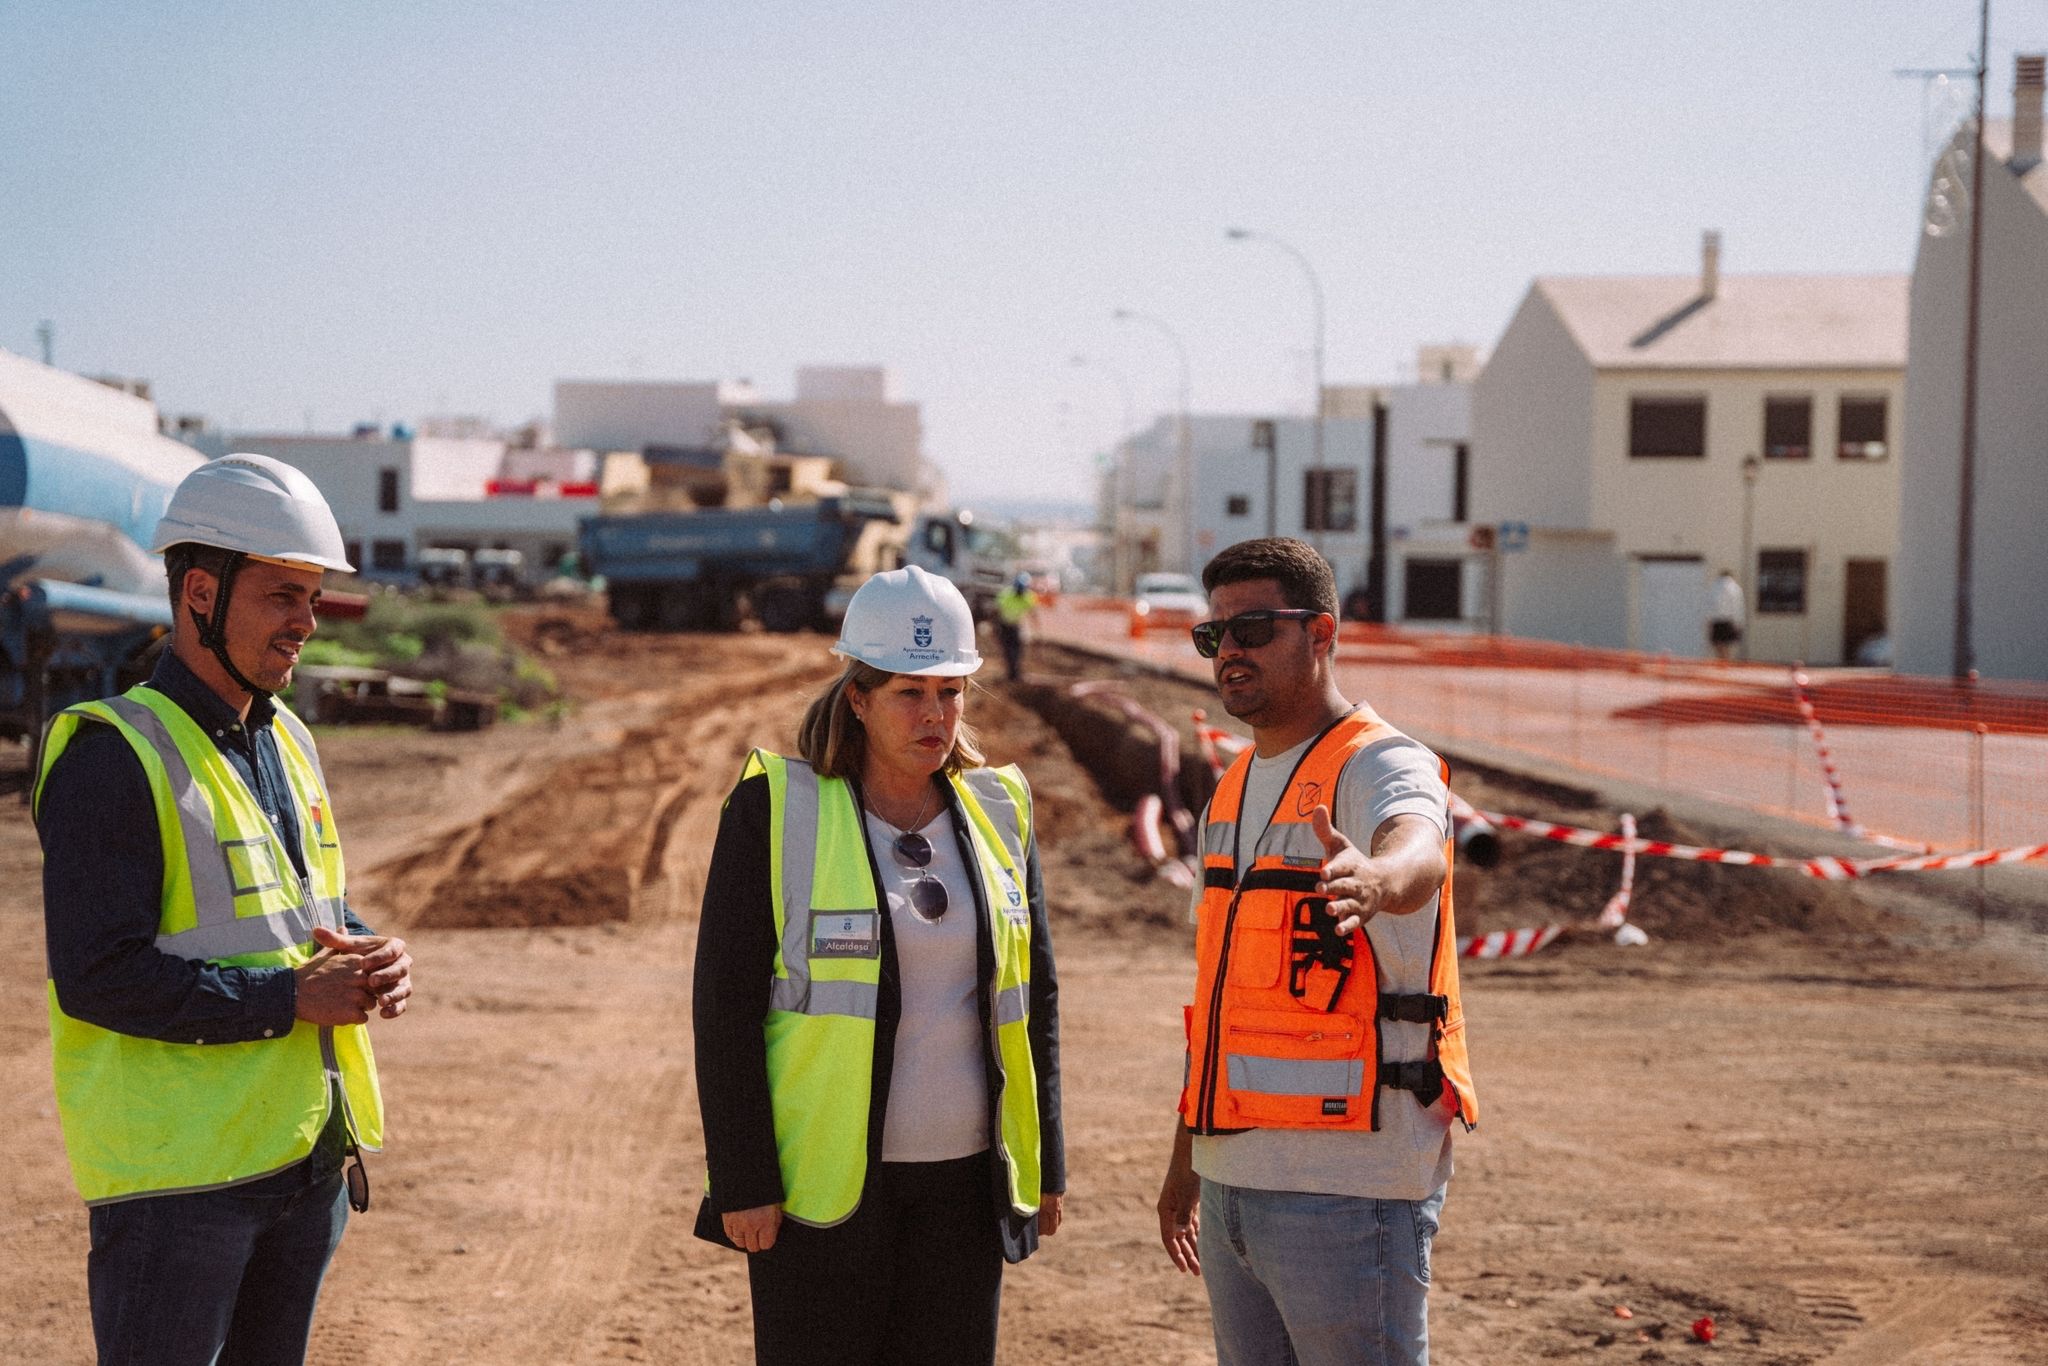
column 820, row 1026
column 145, row 1117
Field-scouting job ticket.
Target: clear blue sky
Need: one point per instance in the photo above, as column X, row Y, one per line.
column 378, row 209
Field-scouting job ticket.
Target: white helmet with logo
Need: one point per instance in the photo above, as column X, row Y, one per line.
column 258, row 506
column 906, row 621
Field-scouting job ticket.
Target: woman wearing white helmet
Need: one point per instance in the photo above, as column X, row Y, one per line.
column 876, row 1016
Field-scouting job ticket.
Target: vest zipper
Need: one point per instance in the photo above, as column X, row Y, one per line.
column 1205, row 1106
column 1314, row 1036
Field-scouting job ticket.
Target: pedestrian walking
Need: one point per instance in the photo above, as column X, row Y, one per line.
column 1725, row 615
column 210, row 983
column 1014, row 606
column 877, row 1031
column 1326, row 1049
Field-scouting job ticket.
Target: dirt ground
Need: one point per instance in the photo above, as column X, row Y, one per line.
column 1813, row 1114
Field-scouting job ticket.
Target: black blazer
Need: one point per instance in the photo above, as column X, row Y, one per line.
column 735, row 963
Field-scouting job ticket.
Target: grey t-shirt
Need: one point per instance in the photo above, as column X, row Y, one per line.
column 1409, row 1156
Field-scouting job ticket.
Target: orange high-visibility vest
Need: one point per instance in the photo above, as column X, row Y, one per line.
column 1279, row 1036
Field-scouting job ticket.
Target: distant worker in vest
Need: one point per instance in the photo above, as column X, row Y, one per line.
column 1725, row 615
column 209, row 983
column 877, row 1026
column 1326, row 1049
column 1014, row 606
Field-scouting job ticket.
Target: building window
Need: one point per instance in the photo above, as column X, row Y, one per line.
column 1860, row 434
column 1781, row 583
column 1461, row 481
column 1330, row 499
column 1663, row 427
column 1237, row 505
column 352, row 551
column 387, row 490
column 387, row 555
column 1788, row 428
column 1430, row 590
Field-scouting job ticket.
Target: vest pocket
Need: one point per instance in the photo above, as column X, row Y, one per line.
column 252, row 866
column 1288, row 1070
column 1258, row 942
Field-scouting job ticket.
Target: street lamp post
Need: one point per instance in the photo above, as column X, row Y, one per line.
column 1751, row 468
column 1184, row 464
column 1120, row 556
column 1315, row 286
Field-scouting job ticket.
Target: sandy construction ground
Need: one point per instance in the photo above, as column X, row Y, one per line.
column 1815, row 1116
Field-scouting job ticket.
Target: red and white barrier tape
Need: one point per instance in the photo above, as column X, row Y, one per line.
column 1219, row 746
column 1616, row 910
column 1838, row 801
column 1508, row 943
column 1820, row 866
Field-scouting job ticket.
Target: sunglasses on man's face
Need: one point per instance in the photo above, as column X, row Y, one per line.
column 1248, row 629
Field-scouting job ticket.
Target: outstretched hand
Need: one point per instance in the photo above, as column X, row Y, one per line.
column 1357, row 889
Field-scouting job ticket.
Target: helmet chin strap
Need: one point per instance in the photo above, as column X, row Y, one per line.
column 213, row 631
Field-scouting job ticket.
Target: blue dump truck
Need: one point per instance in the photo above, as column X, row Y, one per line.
column 788, row 566
column 84, row 475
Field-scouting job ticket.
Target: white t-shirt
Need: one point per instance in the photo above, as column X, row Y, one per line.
column 1727, row 600
column 938, row 1090
column 1409, row 1156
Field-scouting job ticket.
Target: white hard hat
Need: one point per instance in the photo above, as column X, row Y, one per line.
column 262, row 507
column 906, row 621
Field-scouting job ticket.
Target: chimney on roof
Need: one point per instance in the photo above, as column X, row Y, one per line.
column 2026, row 111
column 1710, row 263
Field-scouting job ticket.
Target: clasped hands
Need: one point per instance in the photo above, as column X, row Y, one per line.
column 352, row 975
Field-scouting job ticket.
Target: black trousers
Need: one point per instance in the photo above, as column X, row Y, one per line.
column 1012, row 638
column 913, row 1278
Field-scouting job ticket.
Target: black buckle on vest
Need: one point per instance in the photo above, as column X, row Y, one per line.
column 1417, row 1008
column 1316, row 944
column 1425, row 1079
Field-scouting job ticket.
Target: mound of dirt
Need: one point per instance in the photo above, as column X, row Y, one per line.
column 1096, row 880
column 1540, row 881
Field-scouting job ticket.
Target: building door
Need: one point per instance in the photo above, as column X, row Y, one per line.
column 1671, row 606
column 1863, row 605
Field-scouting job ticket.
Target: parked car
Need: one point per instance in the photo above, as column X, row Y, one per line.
column 1167, row 602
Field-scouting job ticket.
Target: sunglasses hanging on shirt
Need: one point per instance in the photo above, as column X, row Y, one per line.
column 927, row 895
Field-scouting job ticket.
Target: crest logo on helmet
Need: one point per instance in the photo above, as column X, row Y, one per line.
column 921, row 631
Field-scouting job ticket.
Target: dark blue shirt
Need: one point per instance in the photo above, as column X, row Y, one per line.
column 103, row 868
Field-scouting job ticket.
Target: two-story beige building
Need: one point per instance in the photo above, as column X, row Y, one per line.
column 1634, row 436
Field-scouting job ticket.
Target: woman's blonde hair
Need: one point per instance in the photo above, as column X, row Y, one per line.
column 834, row 743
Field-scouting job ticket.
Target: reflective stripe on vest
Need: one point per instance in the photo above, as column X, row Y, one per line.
column 143, row 1116
column 1264, row 1052
column 820, row 1028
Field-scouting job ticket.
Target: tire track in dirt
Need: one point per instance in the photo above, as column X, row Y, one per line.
column 584, row 841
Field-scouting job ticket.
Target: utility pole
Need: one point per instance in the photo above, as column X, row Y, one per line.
column 46, row 333
column 1966, row 474
column 1184, row 465
column 1315, row 289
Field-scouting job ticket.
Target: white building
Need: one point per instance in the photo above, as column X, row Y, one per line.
column 1632, row 436
column 395, row 496
column 1254, row 475
column 848, row 413
column 2009, row 564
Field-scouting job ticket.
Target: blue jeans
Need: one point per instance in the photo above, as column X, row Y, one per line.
column 216, row 1278
column 1317, row 1280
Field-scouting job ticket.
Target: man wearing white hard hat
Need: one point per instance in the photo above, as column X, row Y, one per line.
column 877, row 1028
column 209, row 985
